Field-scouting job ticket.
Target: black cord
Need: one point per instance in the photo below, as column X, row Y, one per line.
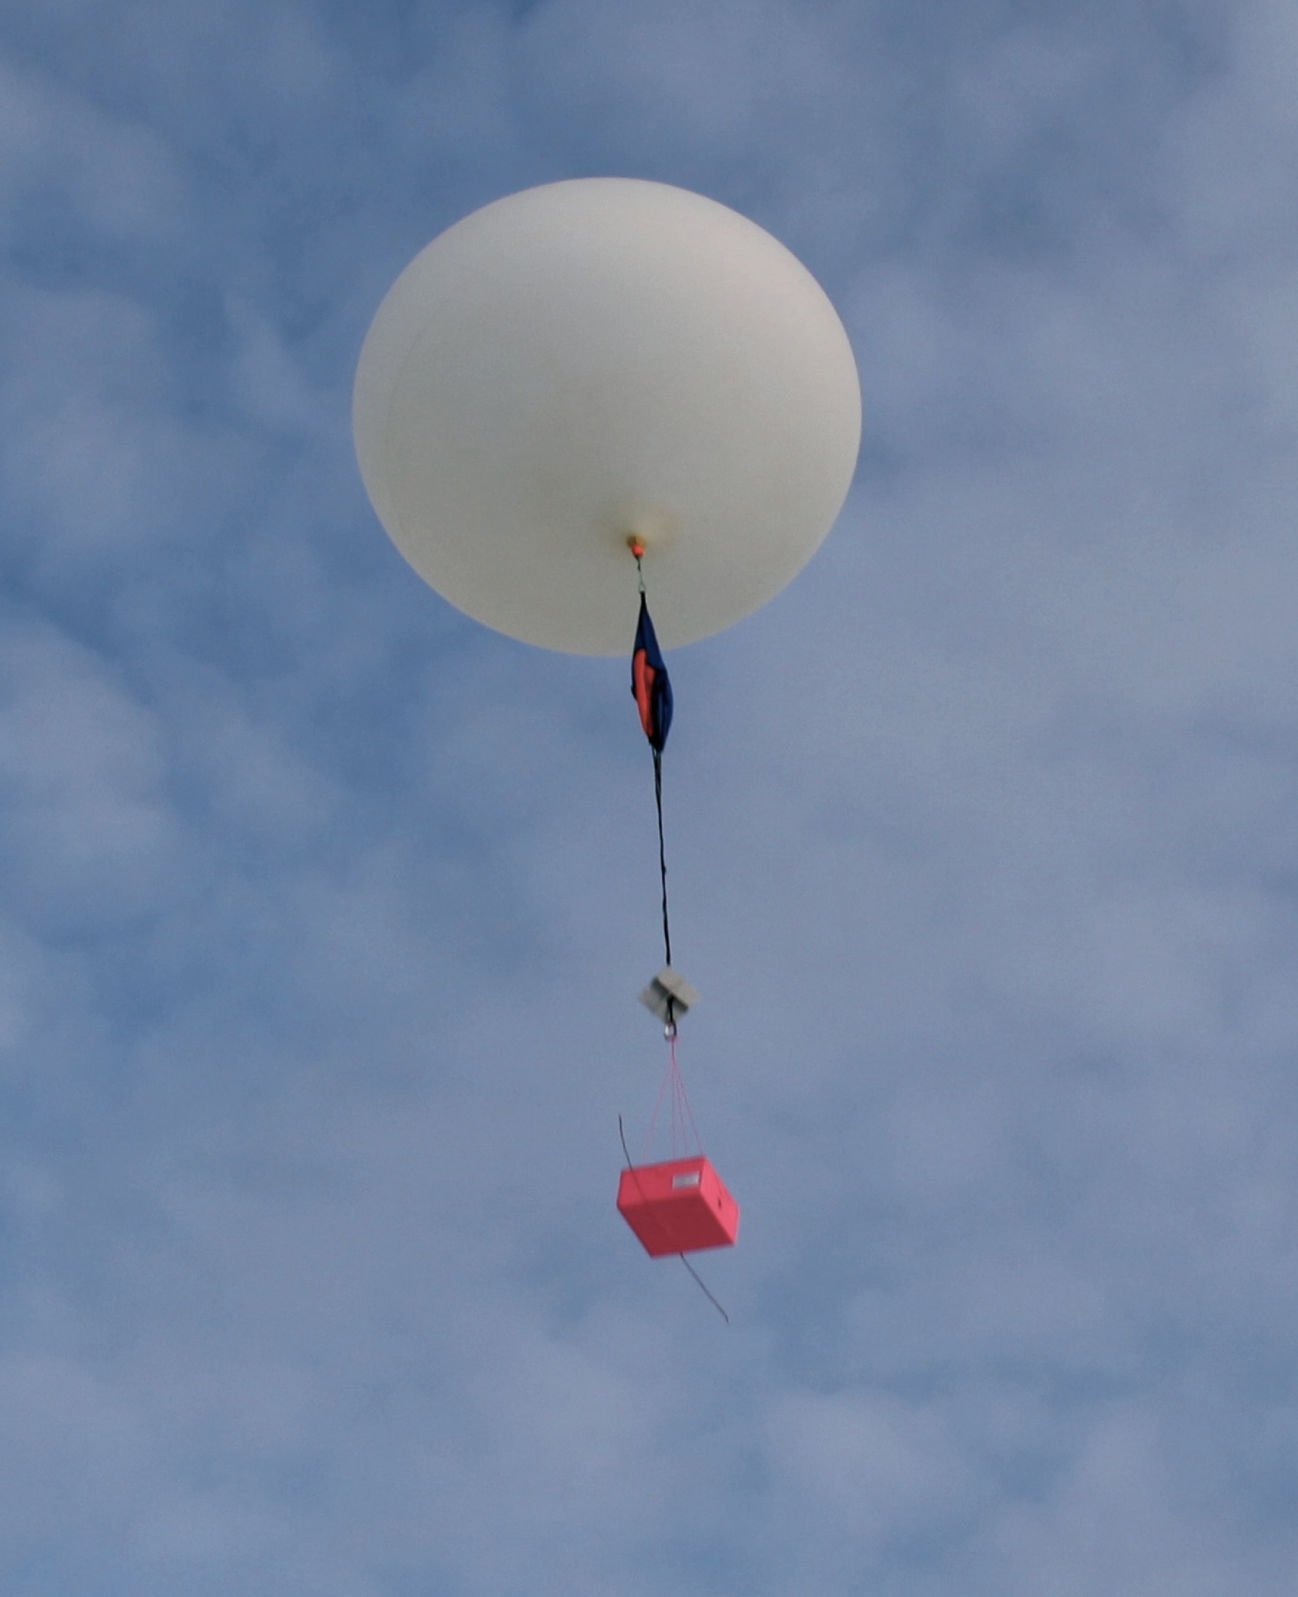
column 702, row 1288
column 662, row 851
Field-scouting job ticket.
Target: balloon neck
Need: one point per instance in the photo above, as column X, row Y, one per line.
column 637, row 547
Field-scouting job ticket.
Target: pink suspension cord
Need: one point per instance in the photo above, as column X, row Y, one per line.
column 684, row 1131
column 653, row 1119
column 689, row 1131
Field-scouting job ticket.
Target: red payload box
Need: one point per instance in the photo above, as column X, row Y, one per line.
column 678, row 1207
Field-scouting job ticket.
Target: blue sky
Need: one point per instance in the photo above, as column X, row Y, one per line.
column 323, row 911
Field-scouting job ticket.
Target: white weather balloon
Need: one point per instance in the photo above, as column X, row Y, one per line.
column 597, row 359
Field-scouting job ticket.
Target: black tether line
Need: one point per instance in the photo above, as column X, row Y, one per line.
column 662, row 853
column 658, row 804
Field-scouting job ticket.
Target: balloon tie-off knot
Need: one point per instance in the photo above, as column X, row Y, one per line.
column 637, row 548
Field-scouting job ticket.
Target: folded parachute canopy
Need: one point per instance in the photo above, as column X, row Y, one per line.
column 650, row 684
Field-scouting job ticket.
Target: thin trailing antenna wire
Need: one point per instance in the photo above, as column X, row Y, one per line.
column 702, row 1285
column 703, row 1288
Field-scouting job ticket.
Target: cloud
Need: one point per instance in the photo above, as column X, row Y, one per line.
column 89, row 828
column 69, row 164
column 323, row 911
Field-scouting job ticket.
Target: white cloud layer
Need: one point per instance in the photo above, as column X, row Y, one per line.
column 322, row 911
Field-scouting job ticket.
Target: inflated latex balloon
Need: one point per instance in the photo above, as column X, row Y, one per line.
column 595, row 361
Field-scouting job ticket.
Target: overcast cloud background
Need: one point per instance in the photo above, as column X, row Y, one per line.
column 324, row 910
